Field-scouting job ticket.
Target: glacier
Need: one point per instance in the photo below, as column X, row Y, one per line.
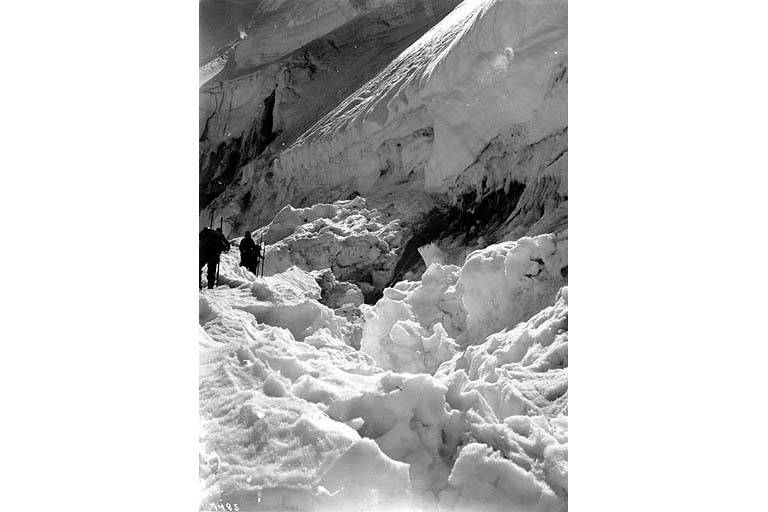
column 404, row 163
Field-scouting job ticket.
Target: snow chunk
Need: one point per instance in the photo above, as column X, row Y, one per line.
column 484, row 480
column 517, row 370
column 385, row 479
column 336, row 294
column 275, row 386
column 358, row 244
column 431, row 253
column 418, row 325
column 506, row 283
column 397, row 341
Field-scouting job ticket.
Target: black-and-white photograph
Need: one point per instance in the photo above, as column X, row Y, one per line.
column 386, row 212
column 383, row 287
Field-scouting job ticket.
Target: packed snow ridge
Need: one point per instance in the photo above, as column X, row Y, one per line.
column 450, row 393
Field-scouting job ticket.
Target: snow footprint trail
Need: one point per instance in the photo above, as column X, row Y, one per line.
column 294, row 417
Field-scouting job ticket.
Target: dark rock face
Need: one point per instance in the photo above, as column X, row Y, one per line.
column 219, row 167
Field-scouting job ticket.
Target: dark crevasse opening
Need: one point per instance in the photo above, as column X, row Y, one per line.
column 471, row 218
column 267, row 120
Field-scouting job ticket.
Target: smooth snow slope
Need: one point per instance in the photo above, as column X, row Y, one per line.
column 439, row 408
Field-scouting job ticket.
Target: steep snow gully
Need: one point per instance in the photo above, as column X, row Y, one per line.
column 407, row 346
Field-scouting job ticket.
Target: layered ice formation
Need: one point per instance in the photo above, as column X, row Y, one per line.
column 299, row 60
column 472, row 115
column 486, row 65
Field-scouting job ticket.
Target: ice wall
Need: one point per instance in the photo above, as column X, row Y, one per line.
column 488, row 65
column 300, row 60
column 474, row 111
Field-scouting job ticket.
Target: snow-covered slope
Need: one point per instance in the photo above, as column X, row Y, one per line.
column 488, row 64
column 472, row 115
column 433, row 412
column 298, row 60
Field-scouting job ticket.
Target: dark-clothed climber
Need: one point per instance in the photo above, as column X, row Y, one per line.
column 250, row 254
column 212, row 244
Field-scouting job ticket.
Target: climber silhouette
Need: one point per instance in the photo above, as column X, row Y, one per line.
column 250, row 254
column 212, row 244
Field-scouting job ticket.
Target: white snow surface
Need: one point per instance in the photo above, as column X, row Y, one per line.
column 487, row 66
column 456, row 399
column 357, row 243
column 417, row 325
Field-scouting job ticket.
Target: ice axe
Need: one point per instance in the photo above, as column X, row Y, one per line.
column 221, row 227
column 263, row 254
